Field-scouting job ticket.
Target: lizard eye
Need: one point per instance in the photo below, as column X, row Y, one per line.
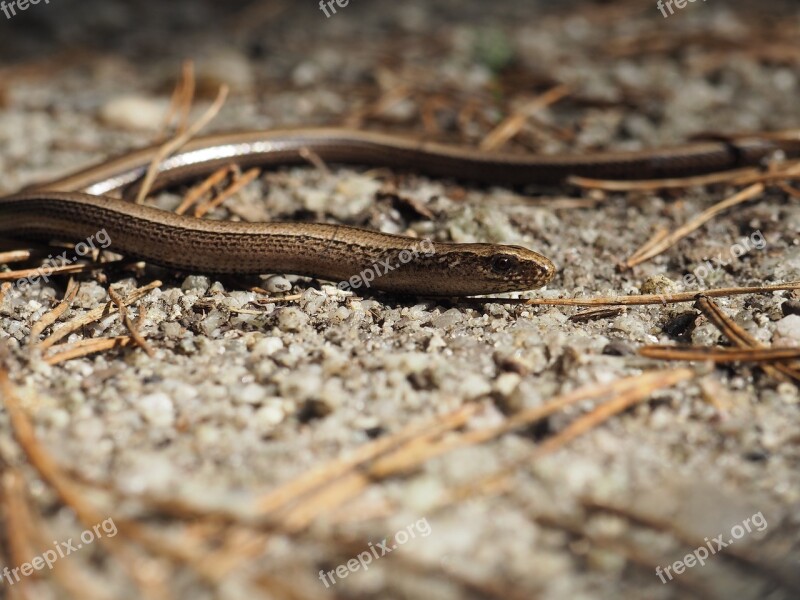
column 503, row 263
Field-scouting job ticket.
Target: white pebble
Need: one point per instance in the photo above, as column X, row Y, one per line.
column 213, row 321
column 267, row 346
column 300, row 385
column 171, row 329
column 196, row 282
column 787, row 331
column 135, row 113
column 506, row 383
column 474, row 386
column 788, row 393
column 291, row 318
column 267, row 417
column 447, row 319
column 157, row 409
column 277, row 283
column 250, row 394
column 436, row 343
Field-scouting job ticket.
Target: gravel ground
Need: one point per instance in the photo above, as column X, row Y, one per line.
column 242, row 395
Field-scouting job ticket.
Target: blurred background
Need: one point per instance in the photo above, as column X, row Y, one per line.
column 451, row 70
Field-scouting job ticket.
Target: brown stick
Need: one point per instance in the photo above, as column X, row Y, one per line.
column 129, row 324
column 94, row 315
column 644, row 299
column 719, row 355
column 698, row 221
column 87, row 347
column 52, row 316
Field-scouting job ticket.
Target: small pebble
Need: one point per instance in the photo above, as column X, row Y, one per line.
column 134, row 113
column 267, row 346
column 171, row 329
column 277, row 284
column 787, row 331
column 659, row 284
column 448, row 319
column 250, row 394
column 506, row 383
column 199, row 283
column 291, row 318
column 474, row 386
column 224, row 66
column 267, row 417
column 157, row 409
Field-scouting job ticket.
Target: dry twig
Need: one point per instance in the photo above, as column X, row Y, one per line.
column 624, row 393
column 179, row 141
column 651, row 185
column 52, row 316
column 673, row 238
column 741, row 338
column 237, row 185
column 205, row 186
column 138, row 569
column 182, row 98
column 719, row 354
column 129, row 324
column 512, row 125
column 86, row 347
column 94, row 315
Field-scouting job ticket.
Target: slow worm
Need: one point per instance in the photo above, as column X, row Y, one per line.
column 77, row 206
